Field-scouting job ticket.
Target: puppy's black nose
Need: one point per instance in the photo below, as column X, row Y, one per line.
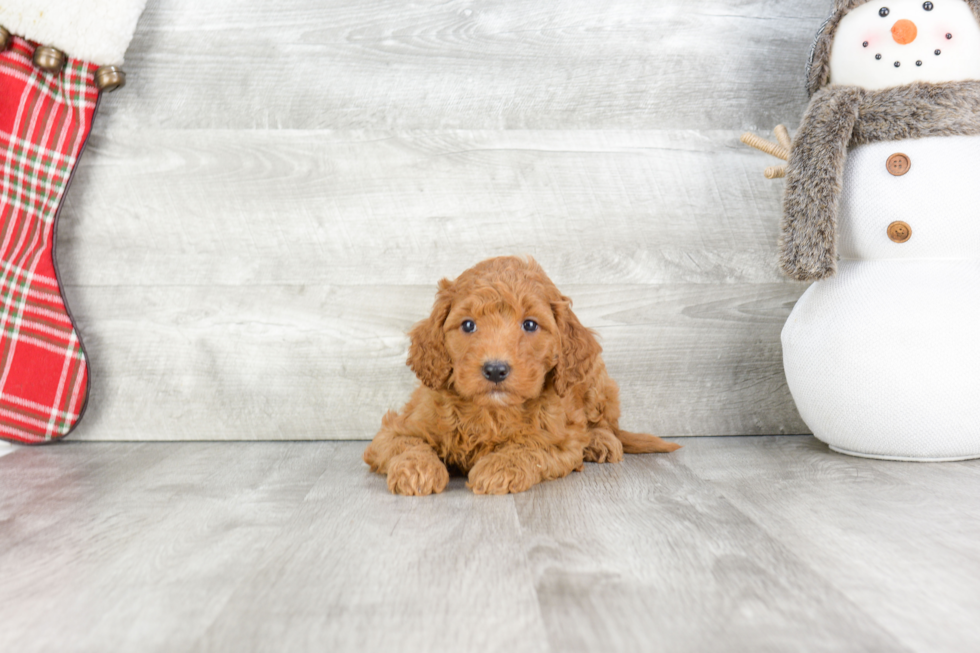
column 495, row 371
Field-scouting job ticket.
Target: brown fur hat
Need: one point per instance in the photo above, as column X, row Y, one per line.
column 818, row 67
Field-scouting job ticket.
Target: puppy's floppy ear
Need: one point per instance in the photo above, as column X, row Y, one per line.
column 579, row 348
column 427, row 355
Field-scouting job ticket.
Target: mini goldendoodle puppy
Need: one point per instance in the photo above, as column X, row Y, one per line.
column 514, row 391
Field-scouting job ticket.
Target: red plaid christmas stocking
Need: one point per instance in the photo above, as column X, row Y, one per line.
column 48, row 97
column 44, row 120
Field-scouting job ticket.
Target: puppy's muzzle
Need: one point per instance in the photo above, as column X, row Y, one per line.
column 496, row 371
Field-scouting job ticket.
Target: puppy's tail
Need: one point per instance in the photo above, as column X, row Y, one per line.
column 643, row 443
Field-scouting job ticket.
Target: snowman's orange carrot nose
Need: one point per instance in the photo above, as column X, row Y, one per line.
column 904, row 31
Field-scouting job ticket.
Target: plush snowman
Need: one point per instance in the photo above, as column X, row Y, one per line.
column 882, row 352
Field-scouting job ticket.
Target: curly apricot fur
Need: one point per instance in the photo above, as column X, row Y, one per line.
column 556, row 409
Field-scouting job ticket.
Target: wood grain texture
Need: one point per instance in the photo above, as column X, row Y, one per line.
column 318, row 362
column 882, row 529
column 198, row 547
column 648, row 556
column 263, row 211
column 281, row 207
column 470, row 64
column 769, row 544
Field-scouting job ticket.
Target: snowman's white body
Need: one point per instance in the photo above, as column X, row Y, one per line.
column 883, row 359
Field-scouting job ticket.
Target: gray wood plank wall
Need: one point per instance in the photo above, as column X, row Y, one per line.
column 265, row 209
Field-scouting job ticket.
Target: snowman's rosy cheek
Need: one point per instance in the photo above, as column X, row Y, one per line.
column 939, row 34
column 871, row 40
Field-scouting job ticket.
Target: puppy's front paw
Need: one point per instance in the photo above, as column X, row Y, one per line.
column 415, row 474
column 603, row 447
column 499, row 473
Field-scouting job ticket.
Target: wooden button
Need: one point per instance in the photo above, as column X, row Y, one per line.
column 4, row 38
column 898, row 164
column 899, row 232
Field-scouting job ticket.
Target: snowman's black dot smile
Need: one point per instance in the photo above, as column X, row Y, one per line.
column 938, row 52
column 898, row 63
column 878, row 57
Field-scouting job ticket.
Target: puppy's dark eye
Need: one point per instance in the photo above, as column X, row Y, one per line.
column 927, row 6
column 469, row 326
column 530, row 326
column 883, row 12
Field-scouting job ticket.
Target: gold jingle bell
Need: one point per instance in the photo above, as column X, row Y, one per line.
column 49, row 59
column 109, row 78
column 4, row 38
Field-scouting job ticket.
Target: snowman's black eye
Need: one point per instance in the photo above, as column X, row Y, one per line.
column 883, row 12
column 898, row 63
column 949, row 36
column 918, row 63
column 878, row 57
column 865, row 44
column 927, row 6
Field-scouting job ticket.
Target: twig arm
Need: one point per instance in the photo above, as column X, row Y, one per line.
column 768, row 147
column 782, row 135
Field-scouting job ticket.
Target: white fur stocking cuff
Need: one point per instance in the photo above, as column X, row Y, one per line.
column 96, row 31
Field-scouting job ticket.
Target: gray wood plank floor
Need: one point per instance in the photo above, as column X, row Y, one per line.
column 267, row 206
column 730, row 544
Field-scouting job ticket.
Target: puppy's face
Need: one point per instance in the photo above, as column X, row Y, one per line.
column 502, row 343
column 497, row 331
